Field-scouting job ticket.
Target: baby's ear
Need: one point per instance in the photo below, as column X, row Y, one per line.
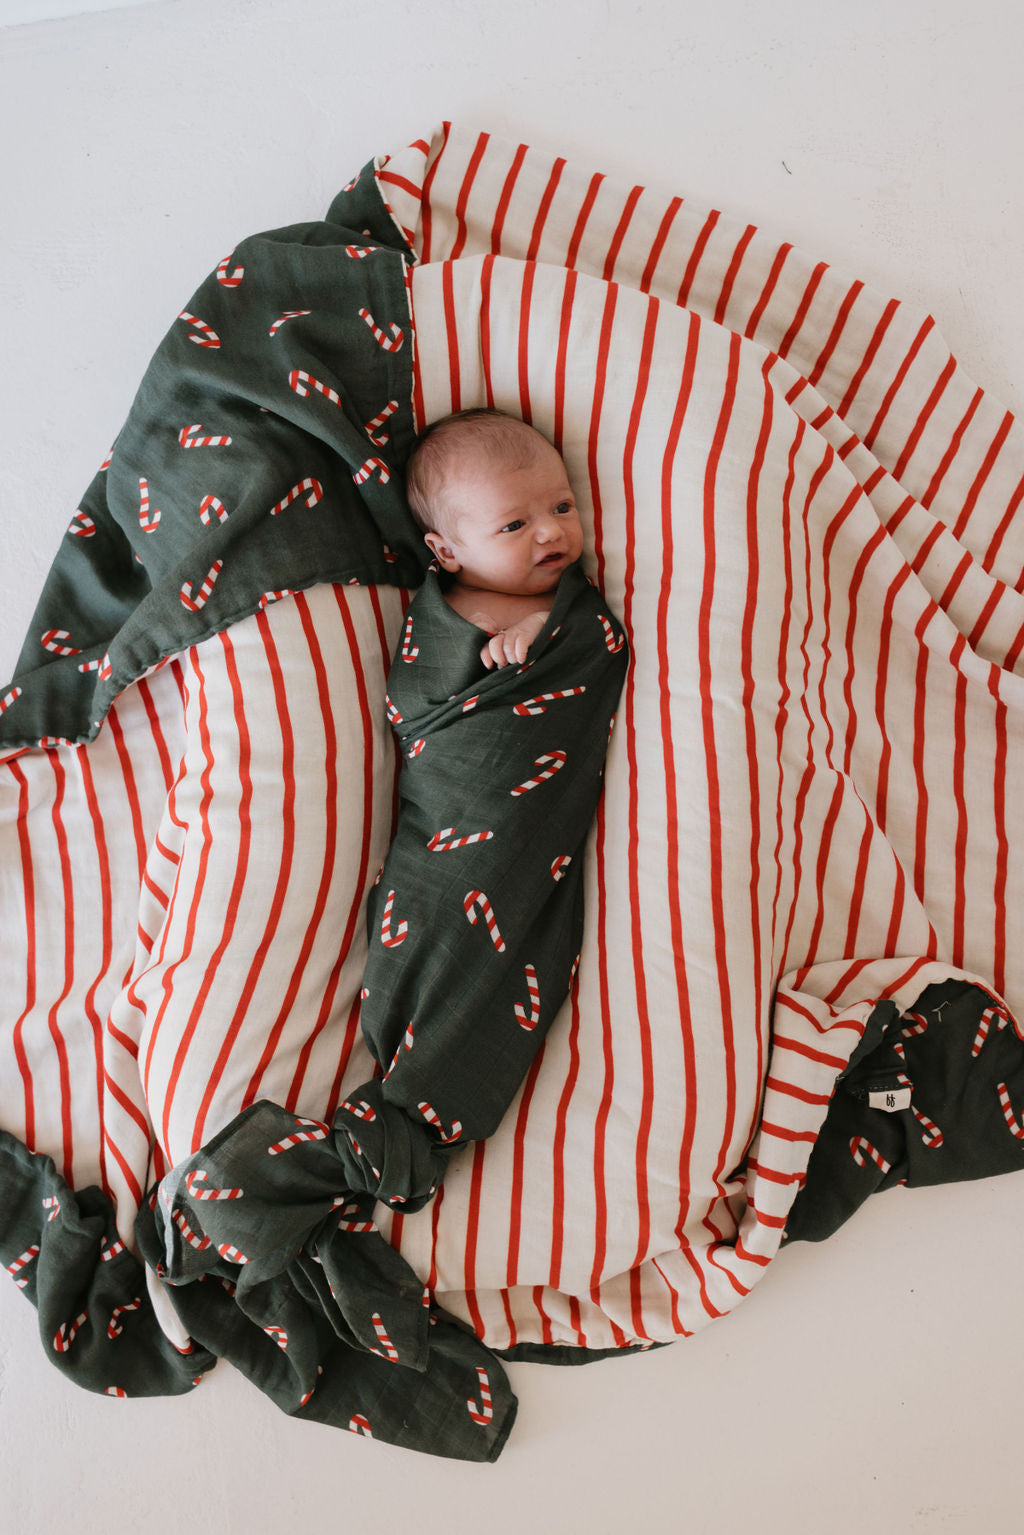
column 442, row 551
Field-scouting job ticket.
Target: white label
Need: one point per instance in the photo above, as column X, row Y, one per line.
column 892, row 1099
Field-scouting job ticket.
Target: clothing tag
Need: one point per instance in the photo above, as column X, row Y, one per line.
column 891, row 1099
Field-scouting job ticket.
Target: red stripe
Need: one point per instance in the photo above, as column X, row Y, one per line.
column 768, row 289
column 542, row 212
column 672, row 834
column 426, row 214
column 515, row 1214
column 506, row 197
column 803, row 307
column 699, row 246
column 106, row 946
column 486, row 273
column 633, row 873
column 731, row 274
column 561, row 356
column 524, row 341
column 715, row 820
column 68, row 910
column 790, row 1090
column 451, row 330
column 620, row 232
column 659, row 243
column 581, row 219
column 780, row 1042
column 464, row 190
column 472, row 1234
column 26, row 882
column 558, row 1141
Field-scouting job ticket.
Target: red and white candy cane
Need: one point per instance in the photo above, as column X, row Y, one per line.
column 302, row 383
column 231, row 1253
column 390, row 557
column 539, row 704
column 53, row 641
column 406, row 1044
column 15, row 1268
column 66, row 1333
column 91, row 666
column 359, row 251
column 390, row 343
column 613, row 644
column 409, row 650
column 207, row 335
column 289, row 314
column 357, row 1424
column 485, row 1412
column 471, row 703
column 226, row 278
column 114, row 1391
column 279, row 1336
column 557, row 760
column 474, row 899
column 530, row 1020
column 109, row 1250
column 992, row 1015
column 114, row 1327
column 391, row 939
column 191, row 1237
column 149, row 521
column 210, row 507
column 106, row 462
column 861, row 1150
column 314, row 488
column 1011, row 1119
column 361, row 1109
column 52, row 1203
column 433, row 1118
column 415, row 748
column 560, row 865
column 917, row 1025
column 81, row 525
column 369, row 468
column 199, row 1175
column 392, row 712
column 10, row 698
column 445, row 841
column 931, row 1135
column 387, row 1349
column 188, row 438
column 316, row 1132
column 269, row 597
column 345, row 1224
column 378, row 438
column 202, row 597
column 106, row 671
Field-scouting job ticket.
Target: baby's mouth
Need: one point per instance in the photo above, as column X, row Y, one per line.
column 551, row 559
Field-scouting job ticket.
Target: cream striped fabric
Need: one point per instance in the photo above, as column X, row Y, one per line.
column 805, row 516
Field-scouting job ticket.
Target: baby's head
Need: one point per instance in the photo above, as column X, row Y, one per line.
column 494, row 502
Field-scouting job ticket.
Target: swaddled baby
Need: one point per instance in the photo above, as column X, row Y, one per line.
column 502, row 695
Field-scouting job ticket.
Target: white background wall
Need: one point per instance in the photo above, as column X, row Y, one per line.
column 871, row 1383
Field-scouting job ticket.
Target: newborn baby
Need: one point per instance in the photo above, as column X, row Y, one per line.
column 475, row 924
column 498, row 513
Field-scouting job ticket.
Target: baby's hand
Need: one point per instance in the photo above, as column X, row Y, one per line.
column 513, row 643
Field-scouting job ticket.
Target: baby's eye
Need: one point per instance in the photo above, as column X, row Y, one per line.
column 563, row 507
column 513, row 527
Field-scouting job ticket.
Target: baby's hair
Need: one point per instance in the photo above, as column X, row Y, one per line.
column 501, row 436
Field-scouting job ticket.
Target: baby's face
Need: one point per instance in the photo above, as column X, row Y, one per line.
column 509, row 530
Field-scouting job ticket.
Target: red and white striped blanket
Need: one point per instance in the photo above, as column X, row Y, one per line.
column 805, row 516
